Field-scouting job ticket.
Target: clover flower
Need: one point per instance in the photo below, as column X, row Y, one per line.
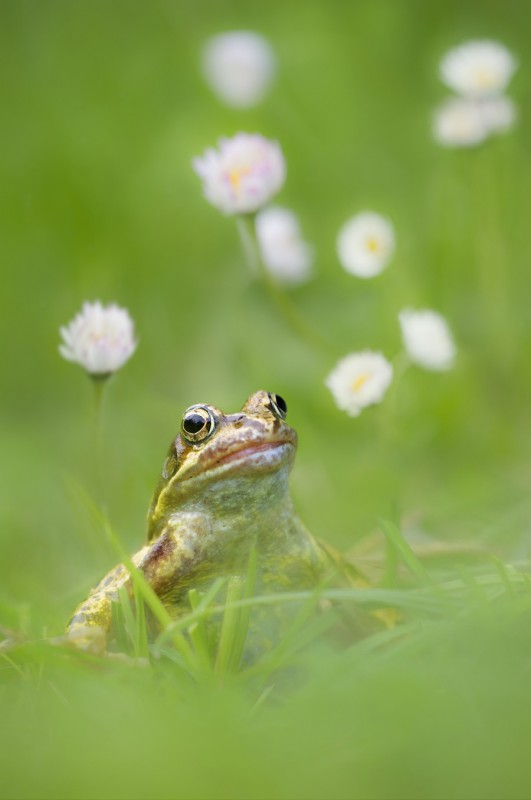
column 243, row 174
column 238, row 67
column 359, row 380
column 365, row 244
column 478, row 68
column 427, row 339
column 286, row 255
column 100, row 339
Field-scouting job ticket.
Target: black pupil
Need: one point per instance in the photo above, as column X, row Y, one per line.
column 193, row 423
column 281, row 404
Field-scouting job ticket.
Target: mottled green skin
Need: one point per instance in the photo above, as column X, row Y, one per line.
column 215, row 501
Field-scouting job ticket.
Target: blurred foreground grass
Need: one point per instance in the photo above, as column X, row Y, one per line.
column 437, row 708
column 103, row 108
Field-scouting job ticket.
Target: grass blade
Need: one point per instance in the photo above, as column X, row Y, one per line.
column 198, row 633
column 230, row 626
column 394, row 536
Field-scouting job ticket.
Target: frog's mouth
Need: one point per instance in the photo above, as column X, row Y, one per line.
column 251, row 457
column 266, row 453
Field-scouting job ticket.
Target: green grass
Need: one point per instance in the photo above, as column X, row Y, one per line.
column 435, row 706
column 103, row 108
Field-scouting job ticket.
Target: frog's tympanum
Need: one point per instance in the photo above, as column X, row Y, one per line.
column 223, row 491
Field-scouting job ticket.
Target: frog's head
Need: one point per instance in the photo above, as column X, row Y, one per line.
column 225, row 463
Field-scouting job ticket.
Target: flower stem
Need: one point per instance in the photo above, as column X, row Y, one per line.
column 491, row 257
column 291, row 315
column 401, row 364
column 99, row 383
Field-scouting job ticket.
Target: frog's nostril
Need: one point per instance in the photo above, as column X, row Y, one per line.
column 238, row 422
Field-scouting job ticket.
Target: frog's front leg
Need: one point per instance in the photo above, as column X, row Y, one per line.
column 91, row 621
column 166, row 564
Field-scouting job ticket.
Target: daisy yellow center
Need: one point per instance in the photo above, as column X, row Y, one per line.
column 360, row 381
column 236, row 175
column 373, row 244
column 484, row 78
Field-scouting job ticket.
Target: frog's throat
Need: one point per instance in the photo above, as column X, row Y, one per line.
column 230, row 498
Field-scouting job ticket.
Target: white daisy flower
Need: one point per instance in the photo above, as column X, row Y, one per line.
column 365, row 244
column 427, row 339
column 286, row 255
column 466, row 123
column 499, row 114
column 459, row 123
column 359, row 380
column 243, row 175
column 100, row 338
column 478, row 68
column 239, row 67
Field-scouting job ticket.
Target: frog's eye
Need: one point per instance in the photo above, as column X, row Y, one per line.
column 198, row 423
column 278, row 406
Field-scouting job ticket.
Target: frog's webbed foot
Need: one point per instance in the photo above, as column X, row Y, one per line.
column 91, row 639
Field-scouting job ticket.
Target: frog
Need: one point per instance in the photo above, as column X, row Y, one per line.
column 223, row 494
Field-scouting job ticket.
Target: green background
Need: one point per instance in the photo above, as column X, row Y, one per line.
column 103, row 108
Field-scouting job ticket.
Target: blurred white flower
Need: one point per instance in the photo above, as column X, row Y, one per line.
column 478, row 68
column 427, row 339
column 243, row 175
column 100, row 338
column 498, row 113
column 466, row 123
column 459, row 123
column 359, row 380
column 365, row 244
column 239, row 67
column 286, row 255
